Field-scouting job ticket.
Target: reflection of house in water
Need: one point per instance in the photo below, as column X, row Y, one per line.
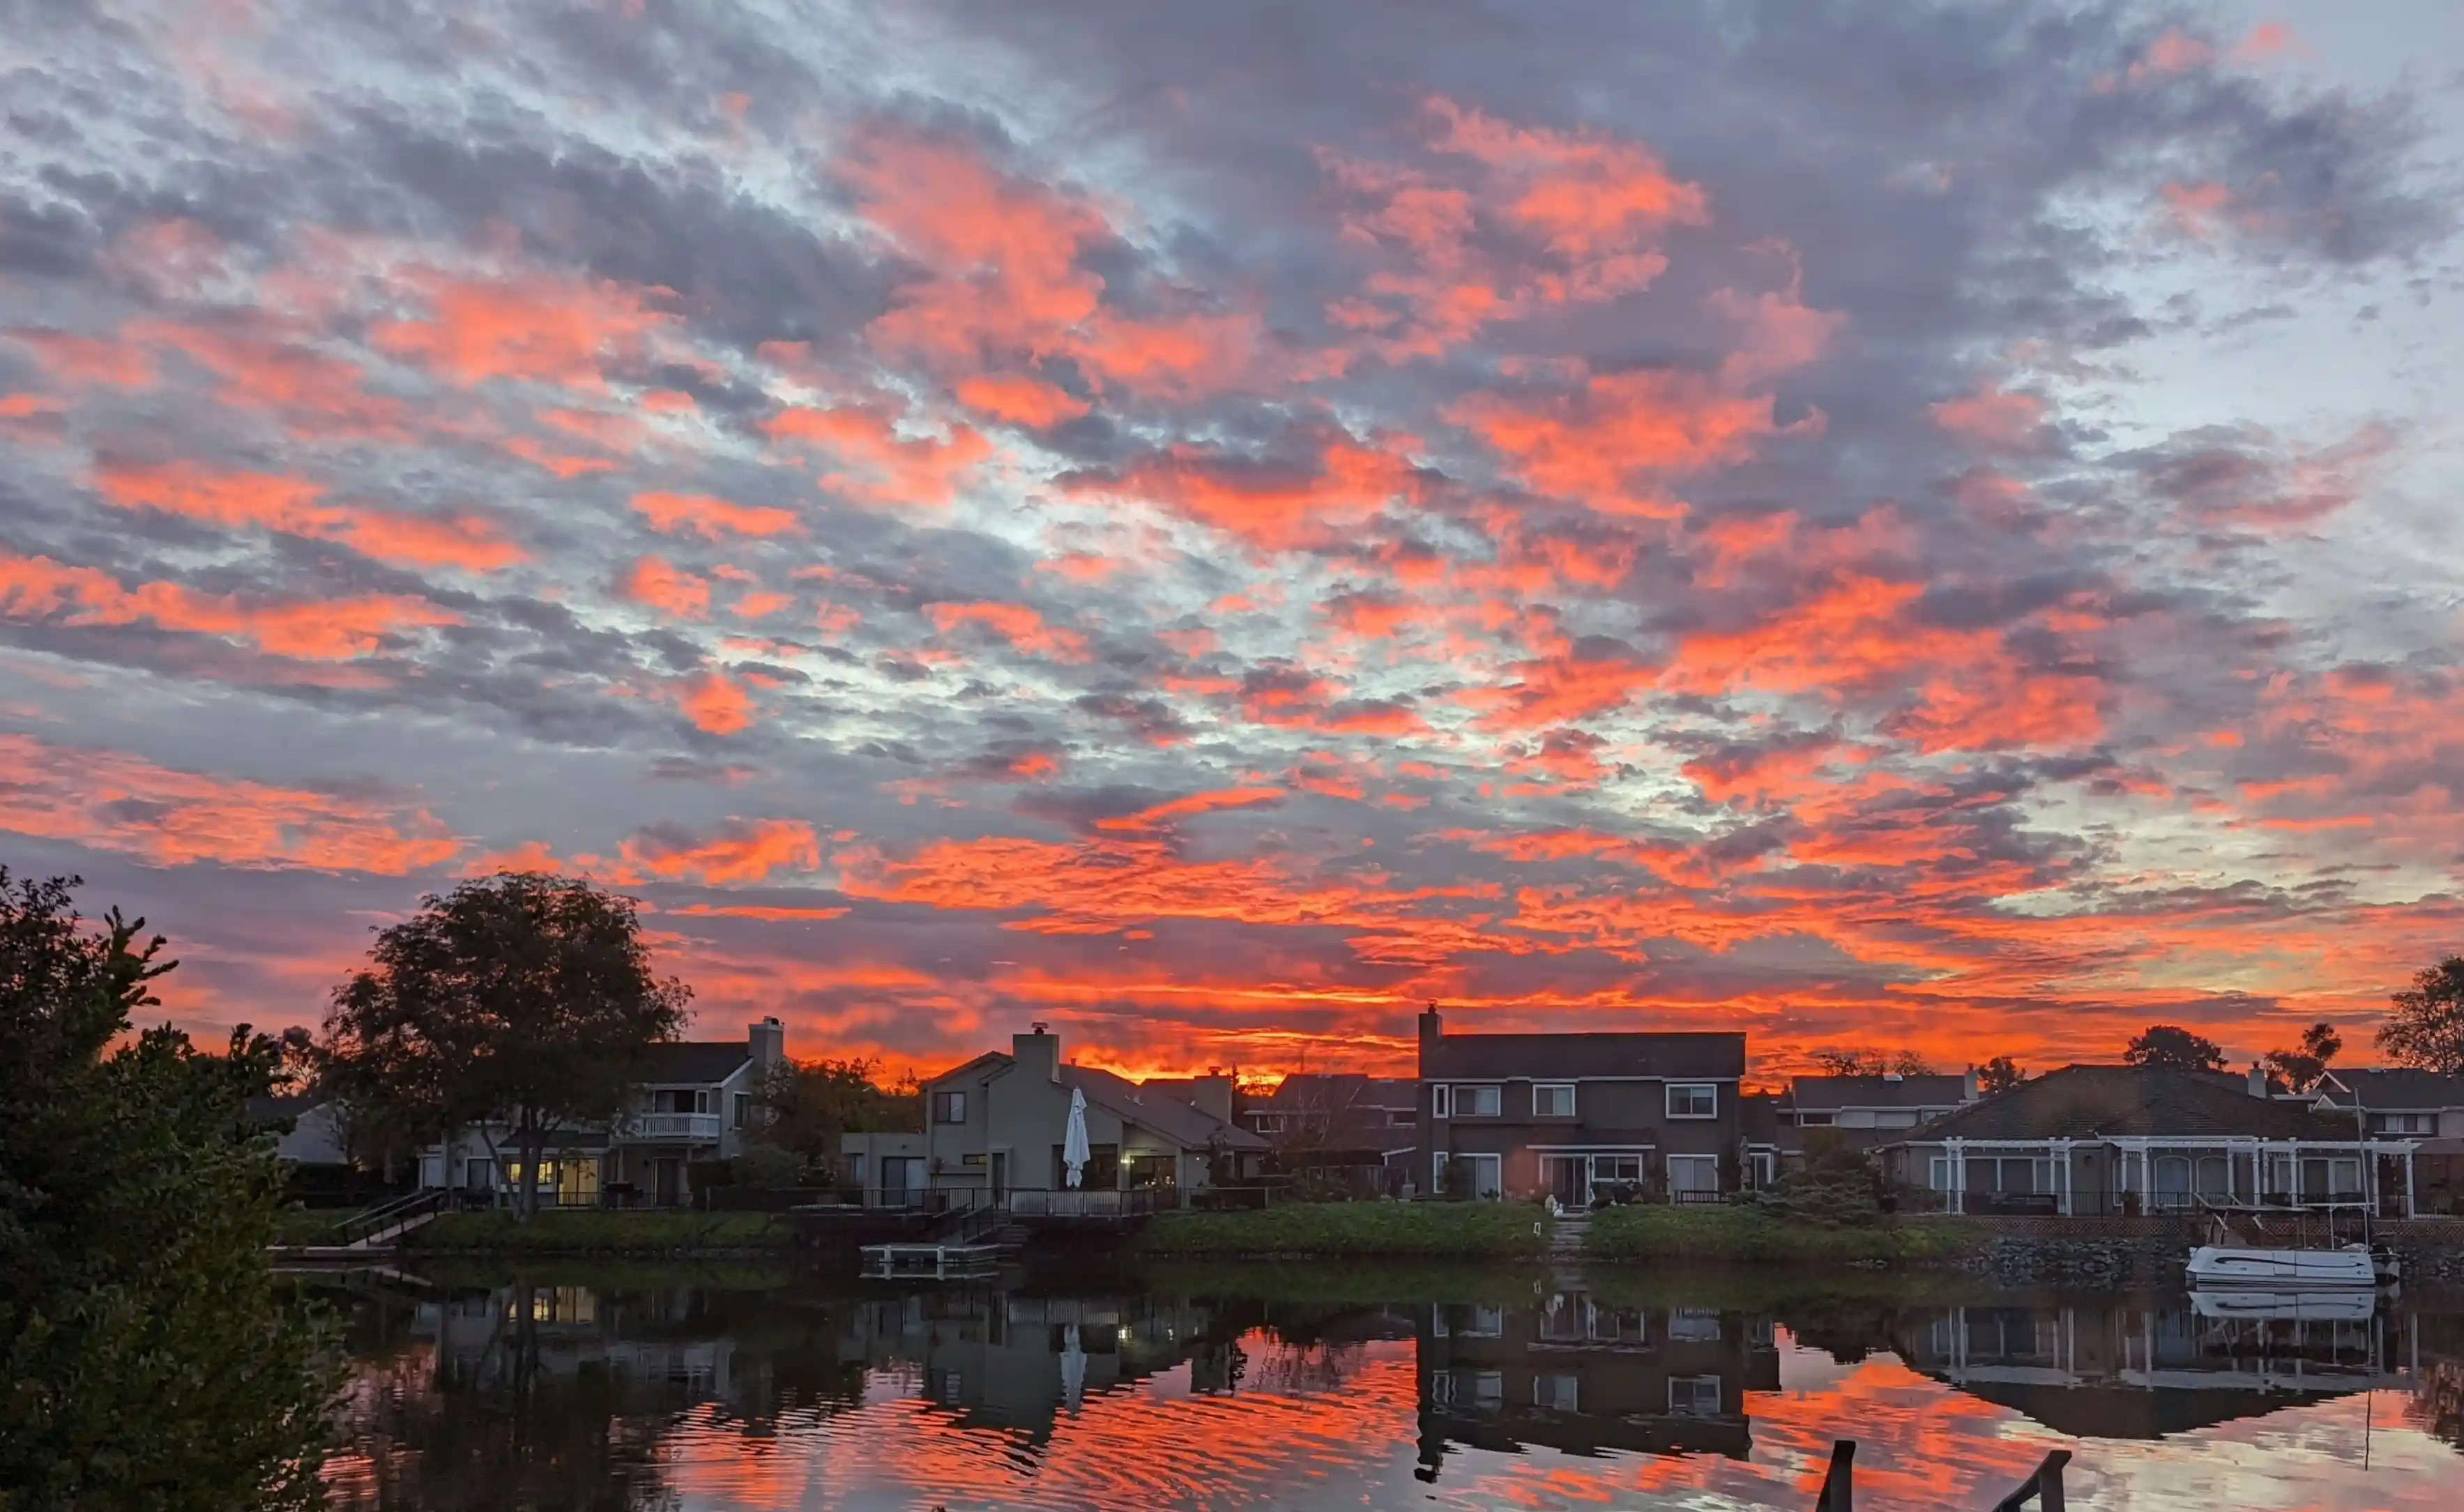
column 1014, row 1360
column 656, row 1343
column 2124, row 1371
column 1583, row 1376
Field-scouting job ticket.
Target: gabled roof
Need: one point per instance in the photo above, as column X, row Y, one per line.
column 1499, row 1057
column 2083, row 1101
column 1331, row 1091
column 1164, row 1114
column 1878, row 1092
column 990, row 1058
column 2393, row 1089
column 698, row 1062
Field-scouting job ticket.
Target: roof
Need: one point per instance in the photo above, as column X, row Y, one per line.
column 694, row 1060
column 263, row 1111
column 1162, row 1113
column 1878, row 1092
column 2400, row 1087
column 1493, row 1058
column 1758, row 1118
column 2084, row 1101
column 1334, row 1091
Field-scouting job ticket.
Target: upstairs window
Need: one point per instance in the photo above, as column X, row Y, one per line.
column 949, row 1108
column 1552, row 1100
column 1477, row 1103
column 1815, row 1120
column 1693, row 1099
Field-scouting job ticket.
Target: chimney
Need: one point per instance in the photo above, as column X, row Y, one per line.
column 2257, row 1080
column 767, row 1040
column 1037, row 1052
column 1212, row 1094
column 1969, row 1090
column 1432, row 1028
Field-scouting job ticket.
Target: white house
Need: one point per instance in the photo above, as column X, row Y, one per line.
column 694, row 1107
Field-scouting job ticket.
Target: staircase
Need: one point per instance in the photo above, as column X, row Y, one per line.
column 380, row 1230
column 1566, row 1237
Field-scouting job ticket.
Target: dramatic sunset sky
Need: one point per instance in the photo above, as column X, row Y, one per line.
column 1212, row 525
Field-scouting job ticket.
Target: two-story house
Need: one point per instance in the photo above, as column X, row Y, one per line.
column 2398, row 1101
column 1364, row 1130
column 696, row 1099
column 997, row 1125
column 1567, row 1115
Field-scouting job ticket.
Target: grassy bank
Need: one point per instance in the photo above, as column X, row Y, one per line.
column 1704, row 1234
column 1449, row 1231
column 599, row 1232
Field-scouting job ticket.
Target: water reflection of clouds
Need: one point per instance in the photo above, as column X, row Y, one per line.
column 962, row 1400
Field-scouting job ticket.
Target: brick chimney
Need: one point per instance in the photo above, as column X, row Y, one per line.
column 1037, row 1052
column 767, row 1040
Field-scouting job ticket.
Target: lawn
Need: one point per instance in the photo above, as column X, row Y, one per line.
column 1456, row 1231
column 1707, row 1234
column 597, row 1231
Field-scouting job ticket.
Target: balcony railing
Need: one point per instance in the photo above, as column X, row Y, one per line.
column 690, row 1128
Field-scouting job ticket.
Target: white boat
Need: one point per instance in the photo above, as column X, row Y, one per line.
column 2301, row 1270
column 2340, row 1304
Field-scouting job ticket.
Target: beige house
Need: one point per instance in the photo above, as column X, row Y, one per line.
column 994, row 1130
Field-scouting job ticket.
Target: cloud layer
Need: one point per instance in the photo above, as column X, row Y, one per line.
column 1217, row 533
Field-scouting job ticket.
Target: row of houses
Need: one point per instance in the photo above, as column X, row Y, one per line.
column 1575, row 1117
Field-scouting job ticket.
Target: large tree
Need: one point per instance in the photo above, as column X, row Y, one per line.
column 2301, row 1067
column 521, row 1004
column 2169, row 1047
column 147, row 1355
column 2000, row 1074
column 2425, row 1024
column 805, row 1105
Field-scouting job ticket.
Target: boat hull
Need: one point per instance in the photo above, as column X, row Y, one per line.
column 2216, row 1266
column 2326, row 1305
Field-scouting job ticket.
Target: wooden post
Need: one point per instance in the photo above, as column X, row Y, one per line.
column 2044, row 1487
column 1838, row 1488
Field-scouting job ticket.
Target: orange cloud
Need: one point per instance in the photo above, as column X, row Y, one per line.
column 90, row 360
column 1618, row 440
column 265, row 369
column 1270, row 506
column 883, row 467
column 274, row 501
column 1029, row 402
column 716, row 704
column 1015, row 623
column 661, row 585
column 109, row 800
column 1993, row 419
column 740, row 852
column 315, row 629
column 1584, row 192
column 1160, row 816
column 535, row 328
column 701, row 515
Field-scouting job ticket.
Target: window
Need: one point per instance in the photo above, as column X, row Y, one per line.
column 1486, row 1183
column 1693, row 1099
column 1937, row 1173
column 479, row 1174
column 1402, row 1118
column 743, row 1108
column 1815, row 1120
column 1477, row 1102
column 1441, row 1103
column 1693, row 1178
column 1556, row 1393
column 2403, row 1123
column 949, row 1108
column 1552, row 1100
column 1694, row 1325
column 1616, row 1168
column 1694, row 1395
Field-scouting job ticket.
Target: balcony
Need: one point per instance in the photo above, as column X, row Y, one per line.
column 683, row 1129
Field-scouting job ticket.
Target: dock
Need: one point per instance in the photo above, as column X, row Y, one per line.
column 932, row 1262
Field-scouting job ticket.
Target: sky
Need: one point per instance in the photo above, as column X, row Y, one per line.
column 1924, row 526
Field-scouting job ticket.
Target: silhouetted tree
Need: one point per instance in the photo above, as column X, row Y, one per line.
column 522, row 1001
column 1872, row 1063
column 2168, row 1047
column 149, row 1358
column 2426, row 1026
column 805, row 1105
column 2300, row 1069
column 2000, row 1074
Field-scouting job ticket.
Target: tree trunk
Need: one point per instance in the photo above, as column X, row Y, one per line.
column 534, row 1145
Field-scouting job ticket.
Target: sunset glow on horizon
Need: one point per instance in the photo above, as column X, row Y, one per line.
column 1869, row 527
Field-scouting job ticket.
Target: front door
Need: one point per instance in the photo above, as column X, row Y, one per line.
column 1563, row 1177
column 666, row 1180
column 1000, row 1174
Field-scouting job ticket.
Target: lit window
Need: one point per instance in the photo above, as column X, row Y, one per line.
column 1552, row 1100
column 1693, row 1099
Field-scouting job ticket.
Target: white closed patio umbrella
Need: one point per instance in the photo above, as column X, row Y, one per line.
column 1074, row 1153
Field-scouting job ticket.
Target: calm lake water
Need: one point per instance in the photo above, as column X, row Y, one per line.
column 1326, row 1387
